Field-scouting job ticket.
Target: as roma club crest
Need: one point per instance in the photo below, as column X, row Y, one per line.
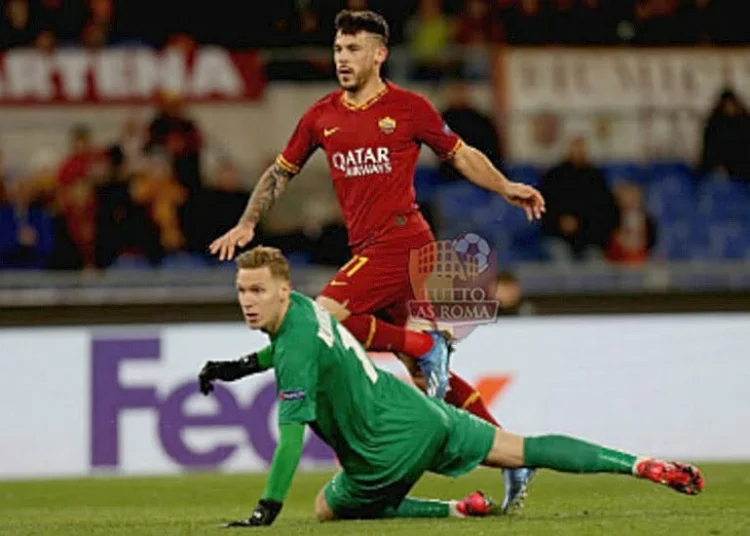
column 387, row 125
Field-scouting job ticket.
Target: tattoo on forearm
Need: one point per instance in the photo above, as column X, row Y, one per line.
column 271, row 185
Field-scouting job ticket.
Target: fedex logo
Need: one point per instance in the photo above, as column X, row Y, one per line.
column 112, row 397
column 362, row 161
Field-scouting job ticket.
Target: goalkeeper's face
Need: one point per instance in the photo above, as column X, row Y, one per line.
column 263, row 297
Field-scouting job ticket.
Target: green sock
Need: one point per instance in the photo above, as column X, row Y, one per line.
column 570, row 455
column 411, row 507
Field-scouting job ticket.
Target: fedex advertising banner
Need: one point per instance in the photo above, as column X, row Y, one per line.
column 125, row 401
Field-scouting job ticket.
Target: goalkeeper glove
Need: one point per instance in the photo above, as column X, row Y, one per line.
column 227, row 371
column 263, row 515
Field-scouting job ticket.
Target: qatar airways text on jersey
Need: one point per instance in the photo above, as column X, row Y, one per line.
column 362, row 161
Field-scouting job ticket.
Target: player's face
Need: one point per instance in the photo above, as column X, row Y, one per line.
column 358, row 58
column 262, row 297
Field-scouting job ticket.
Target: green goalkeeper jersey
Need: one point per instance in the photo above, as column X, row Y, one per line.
column 376, row 423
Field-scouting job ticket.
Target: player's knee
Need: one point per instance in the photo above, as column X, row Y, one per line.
column 337, row 310
column 323, row 512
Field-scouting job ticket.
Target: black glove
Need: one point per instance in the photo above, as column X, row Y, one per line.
column 263, row 515
column 227, row 371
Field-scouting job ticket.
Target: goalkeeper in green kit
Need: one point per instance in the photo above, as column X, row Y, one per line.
column 385, row 432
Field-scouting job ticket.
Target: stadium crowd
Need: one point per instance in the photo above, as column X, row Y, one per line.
column 144, row 196
column 428, row 26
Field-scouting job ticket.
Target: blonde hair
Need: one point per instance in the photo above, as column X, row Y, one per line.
column 261, row 256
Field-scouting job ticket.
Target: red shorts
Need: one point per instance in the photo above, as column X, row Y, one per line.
column 378, row 280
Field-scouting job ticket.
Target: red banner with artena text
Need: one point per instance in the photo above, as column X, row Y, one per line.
column 128, row 76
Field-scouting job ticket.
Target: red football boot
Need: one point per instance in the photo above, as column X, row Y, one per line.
column 680, row 477
column 475, row 505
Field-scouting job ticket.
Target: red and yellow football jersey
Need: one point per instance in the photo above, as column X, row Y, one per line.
column 372, row 151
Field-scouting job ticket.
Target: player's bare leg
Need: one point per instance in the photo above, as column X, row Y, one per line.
column 476, row 504
column 571, row 455
column 463, row 395
column 429, row 350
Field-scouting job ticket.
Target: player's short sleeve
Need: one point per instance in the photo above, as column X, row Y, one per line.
column 431, row 129
column 296, row 368
column 301, row 145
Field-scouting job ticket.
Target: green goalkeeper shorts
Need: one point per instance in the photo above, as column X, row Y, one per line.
column 459, row 447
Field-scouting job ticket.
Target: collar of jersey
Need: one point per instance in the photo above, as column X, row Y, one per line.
column 369, row 102
column 292, row 304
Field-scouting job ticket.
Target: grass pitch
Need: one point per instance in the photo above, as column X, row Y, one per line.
column 196, row 504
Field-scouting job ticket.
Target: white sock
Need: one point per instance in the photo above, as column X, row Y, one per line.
column 453, row 510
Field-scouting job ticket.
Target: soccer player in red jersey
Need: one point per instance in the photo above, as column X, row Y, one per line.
column 371, row 131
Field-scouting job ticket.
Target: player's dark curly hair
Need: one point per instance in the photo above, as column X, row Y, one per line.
column 352, row 22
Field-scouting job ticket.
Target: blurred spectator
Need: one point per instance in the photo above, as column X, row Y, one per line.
column 656, row 23
column 721, row 22
column 477, row 31
column 124, row 226
column 18, row 27
column 289, row 23
column 477, row 25
column 102, row 12
column 46, row 41
column 171, row 131
column 182, row 42
column 581, row 211
column 64, row 18
column 596, row 23
column 26, row 229
column 227, row 177
column 357, row 5
column 508, row 292
column 525, row 23
column 127, row 156
column 80, row 173
column 429, row 33
column 581, row 22
column 159, row 192
column 564, row 20
column 635, row 234
column 310, row 28
column 475, row 128
column 83, row 164
column 726, row 138
column 98, row 28
column 324, row 233
column 95, row 36
column 222, row 203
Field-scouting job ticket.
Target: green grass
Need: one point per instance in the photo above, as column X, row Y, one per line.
column 196, row 504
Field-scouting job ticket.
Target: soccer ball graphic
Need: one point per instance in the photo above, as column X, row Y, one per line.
column 473, row 247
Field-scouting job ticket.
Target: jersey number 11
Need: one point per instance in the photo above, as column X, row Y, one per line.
column 325, row 332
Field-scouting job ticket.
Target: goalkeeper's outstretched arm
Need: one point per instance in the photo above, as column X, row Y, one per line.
column 229, row 371
column 284, row 465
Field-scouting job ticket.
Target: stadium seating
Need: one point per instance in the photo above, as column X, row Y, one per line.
column 698, row 218
column 184, row 261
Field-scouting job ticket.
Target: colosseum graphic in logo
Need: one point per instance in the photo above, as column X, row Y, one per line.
column 451, row 282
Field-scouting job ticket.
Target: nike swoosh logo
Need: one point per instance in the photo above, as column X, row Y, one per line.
column 328, row 131
column 338, row 283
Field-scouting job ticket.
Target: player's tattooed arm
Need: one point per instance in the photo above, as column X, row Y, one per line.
column 271, row 185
